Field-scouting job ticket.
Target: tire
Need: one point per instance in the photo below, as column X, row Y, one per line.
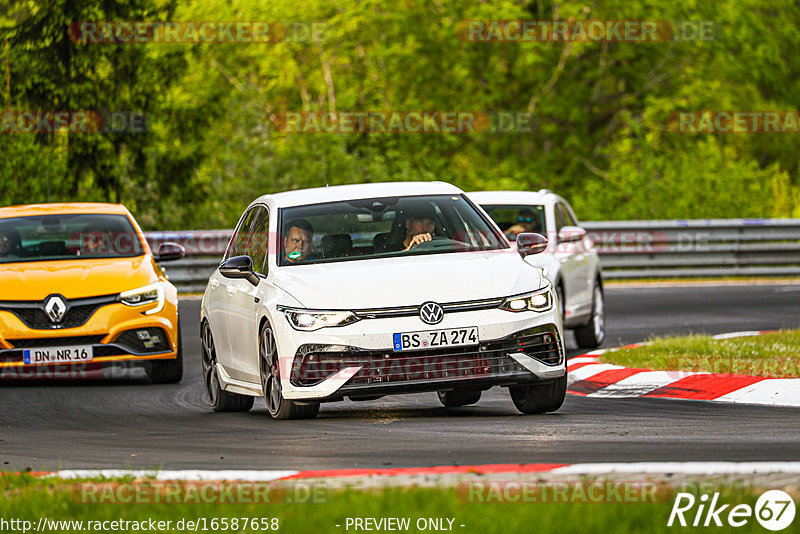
column 277, row 406
column 219, row 399
column 167, row 371
column 459, row 397
column 592, row 334
column 539, row 398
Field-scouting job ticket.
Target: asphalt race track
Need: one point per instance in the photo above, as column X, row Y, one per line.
column 132, row 424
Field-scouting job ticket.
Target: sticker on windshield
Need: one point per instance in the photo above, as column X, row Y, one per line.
column 294, row 255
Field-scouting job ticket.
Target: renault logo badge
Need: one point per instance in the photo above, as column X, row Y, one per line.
column 55, row 309
column 431, row 313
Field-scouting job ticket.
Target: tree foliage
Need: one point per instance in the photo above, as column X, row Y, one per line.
column 598, row 133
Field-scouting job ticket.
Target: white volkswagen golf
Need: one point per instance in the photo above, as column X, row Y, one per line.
column 362, row 291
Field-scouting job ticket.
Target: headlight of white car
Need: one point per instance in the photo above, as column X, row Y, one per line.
column 538, row 301
column 309, row 320
column 153, row 293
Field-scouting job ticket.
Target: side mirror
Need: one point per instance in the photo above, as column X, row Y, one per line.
column 528, row 243
column 170, row 251
column 570, row 234
column 239, row 267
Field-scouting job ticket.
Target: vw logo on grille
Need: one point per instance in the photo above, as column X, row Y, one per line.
column 55, row 309
column 431, row 313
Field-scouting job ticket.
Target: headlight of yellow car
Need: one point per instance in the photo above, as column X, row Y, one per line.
column 151, row 294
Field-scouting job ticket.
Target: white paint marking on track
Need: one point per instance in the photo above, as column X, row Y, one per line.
column 641, row 384
column 787, row 289
column 590, row 370
column 731, row 335
column 597, row 352
column 581, row 359
column 686, row 468
column 772, row 391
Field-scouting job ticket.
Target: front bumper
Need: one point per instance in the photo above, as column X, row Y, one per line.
column 112, row 330
column 358, row 360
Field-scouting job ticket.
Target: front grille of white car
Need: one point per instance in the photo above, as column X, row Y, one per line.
column 489, row 360
column 448, row 307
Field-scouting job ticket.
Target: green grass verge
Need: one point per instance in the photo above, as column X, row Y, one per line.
column 27, row 498
column 774, row 355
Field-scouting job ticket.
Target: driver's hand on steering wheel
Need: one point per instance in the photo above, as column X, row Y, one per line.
column 417, row 239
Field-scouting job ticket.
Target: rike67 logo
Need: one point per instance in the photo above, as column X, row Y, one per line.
column 774, row 510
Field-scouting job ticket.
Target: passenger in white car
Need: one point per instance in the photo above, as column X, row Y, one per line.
column 297, row 241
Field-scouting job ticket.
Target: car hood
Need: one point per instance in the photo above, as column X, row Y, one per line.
column 409, row 281
column 74, row 278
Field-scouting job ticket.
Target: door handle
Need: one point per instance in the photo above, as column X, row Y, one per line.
column 213, row 283
column 230, row 288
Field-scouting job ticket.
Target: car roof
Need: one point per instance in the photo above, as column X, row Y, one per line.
column 336, row 193
column 514, row 197
column 62, row 209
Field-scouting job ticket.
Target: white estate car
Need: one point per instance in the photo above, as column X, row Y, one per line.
column 570, row 261
column 361, row 291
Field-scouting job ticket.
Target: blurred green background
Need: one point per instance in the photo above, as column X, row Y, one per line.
column 599, row 131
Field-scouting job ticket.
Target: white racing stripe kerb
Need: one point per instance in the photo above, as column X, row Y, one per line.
column 590, row 370
column 685, row 468
column 772, row 391
column 582, row 359
column 193, row 475
column 641, row 384
column 597, row 352
column 737, row 334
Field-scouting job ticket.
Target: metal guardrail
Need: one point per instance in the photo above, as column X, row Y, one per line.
column 628, row 249
column 697, row 248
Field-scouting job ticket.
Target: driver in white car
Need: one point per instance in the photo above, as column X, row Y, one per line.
column 420, row 227
column 526, row 222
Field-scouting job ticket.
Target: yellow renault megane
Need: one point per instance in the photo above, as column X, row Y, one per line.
column 80, row 289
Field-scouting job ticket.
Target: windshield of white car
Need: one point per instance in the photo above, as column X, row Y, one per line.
column 517, row 218
column 384, row 227
column 67, row 237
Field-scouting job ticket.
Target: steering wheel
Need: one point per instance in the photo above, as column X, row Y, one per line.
column 435, row 242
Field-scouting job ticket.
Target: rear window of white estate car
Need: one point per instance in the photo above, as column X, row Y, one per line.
column 378, row 227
